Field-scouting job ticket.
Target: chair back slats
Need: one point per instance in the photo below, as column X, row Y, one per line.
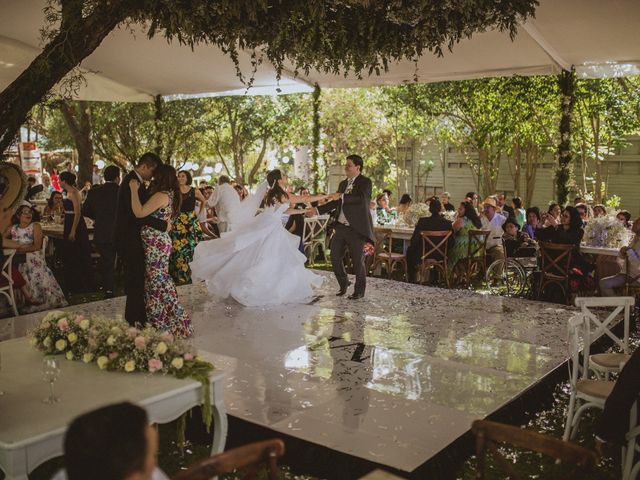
column 619, row 309
column 556, row 258
column 439, row 247
column 478, row 243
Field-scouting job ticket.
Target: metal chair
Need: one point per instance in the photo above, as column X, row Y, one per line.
column 431, row 249
column 250, row 457
column 488, row 434
column 555, row 267
column 385, row 256
column 7, row 290
column 585, row 392
column 604, row 364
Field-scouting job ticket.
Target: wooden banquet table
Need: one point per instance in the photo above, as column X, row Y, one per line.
column 32, row 432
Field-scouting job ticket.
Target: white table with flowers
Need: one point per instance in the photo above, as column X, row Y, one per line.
column 32, row 432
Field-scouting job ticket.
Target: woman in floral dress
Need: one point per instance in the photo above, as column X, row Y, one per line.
column 44, row 290
column 163, row 309
column 467, row 220
column 186, row 231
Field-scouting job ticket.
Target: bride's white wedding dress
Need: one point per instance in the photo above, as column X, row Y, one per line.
column 258, row 262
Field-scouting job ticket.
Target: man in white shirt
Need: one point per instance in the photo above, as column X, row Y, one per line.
column 493, row 222
column 224, row 199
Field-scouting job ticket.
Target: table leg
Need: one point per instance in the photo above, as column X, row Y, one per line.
column 219, row 420
column 15, row 465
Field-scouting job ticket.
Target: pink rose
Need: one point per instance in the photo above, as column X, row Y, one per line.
column 132, row 332
column 113, row 355
column 63, row 325
column 92, row 342
column 140, row 343
column 78, row 319
column 166, row 336
column 155, row 365
column 188, row 357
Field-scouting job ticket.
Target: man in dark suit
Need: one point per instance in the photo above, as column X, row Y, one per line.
column 435, row 223
column 352, row 225
column 100, row 205
column 127, row 237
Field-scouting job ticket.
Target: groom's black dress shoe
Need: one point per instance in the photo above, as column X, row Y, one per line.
column 356, row 296
column 343, row 290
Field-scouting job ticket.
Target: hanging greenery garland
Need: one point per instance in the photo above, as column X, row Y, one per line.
column 316, row 138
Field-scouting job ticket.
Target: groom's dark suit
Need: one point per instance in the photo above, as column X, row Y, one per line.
column 129, row 247
column 352, row 234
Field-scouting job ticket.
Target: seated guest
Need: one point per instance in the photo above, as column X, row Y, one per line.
column 552, row 217
column 383, row 210
column 467, row 220
column 629, row 256
column 533, row 222
column 520, row 213
column 473, row 198
column 445, row 199
column 493, row 222
column 583, row 211
column 435, row 223
column 46, row 183
column 388, row 193
column 373, row 212
column 503, row 209
column 54, row 207
column 405, row 203
column 624, row 217
column 517, row 243
column 44, row 290
column 570, row 232
column 599, row 211
column 578, row 200
column 115, row 442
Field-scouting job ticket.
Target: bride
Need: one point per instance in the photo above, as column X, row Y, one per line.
column 258, row 262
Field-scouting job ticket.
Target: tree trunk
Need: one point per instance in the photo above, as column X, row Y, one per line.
column 316, row 138
column 566, row 81
column 78, row 38
column 79, row 123
column 158, row 104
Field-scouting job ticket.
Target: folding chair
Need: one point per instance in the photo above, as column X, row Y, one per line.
column 385, row 256
column 7, row 290
column 604, row 364
column 439, row 248
column 556, row 265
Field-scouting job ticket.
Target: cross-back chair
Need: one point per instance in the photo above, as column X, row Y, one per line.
column 555, row 267
column 384, row 256
column 435, row 253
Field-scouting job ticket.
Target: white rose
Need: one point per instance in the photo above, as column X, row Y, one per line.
column 130, row 366
column 47, row 342
column 161, row 348
column 84, row 324
column 177, row 363
column 72, row 337
column 69, row 355
column 111, row 340
column 61, row 345
column 102, row 362
column 87, row 357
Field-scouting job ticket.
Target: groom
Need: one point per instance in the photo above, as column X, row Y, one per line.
column 352, row 224
column 127, row 238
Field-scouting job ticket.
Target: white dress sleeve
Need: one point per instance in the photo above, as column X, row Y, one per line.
column 248, row 207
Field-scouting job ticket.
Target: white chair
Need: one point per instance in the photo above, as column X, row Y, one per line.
column 603, row 364
column 7, row 290
column 314, row 235
column 629, row 470
column 585, row 392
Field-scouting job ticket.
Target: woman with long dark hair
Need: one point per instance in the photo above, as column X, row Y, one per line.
column 186, row 231
column 161, row 299
column 76, row 250
column 258, row 263
column 468, row 219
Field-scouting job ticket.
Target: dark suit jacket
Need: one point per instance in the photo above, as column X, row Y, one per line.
column 100, row 205
column 127, row 231
column 355, row 206
column 434, row 223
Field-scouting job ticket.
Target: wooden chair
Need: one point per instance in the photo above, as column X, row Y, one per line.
column 439, row 248
column 632, row 284
column 385, row 256
column 250, row 456
column 476, row 261
column 5, row 273
column 314, row 235
column 585, row 392
column 488, row 434
column 555, row 267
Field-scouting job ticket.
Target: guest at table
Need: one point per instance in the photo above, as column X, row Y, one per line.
column 493, row 222
column 517, row 243
column 520, row 214
column 583, row 211
column 578, row 200
column 435, row 223
column 629, row 262
column 383, row 210
column 599, row 211
column 388, row 193
column 100, row 205
column 112, row 442
column 405, row 203
column 552, row 217
column 76, row 247
column 373, row 211
column 533, row 222
column 445, row 199
column 503, row 208
column 186, row 231
column 467, row 220
column 85, row 189
column 33, row 189
column 624, row 217
column 54, row 209
column 46, row 183
column 45, row 293
column 570, row 232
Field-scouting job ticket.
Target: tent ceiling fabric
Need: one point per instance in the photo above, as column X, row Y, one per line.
column 130, row 67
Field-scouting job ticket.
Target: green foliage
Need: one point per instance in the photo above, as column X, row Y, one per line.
column 613, row 201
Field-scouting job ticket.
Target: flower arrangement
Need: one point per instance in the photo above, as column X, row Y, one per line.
column 606, row 231
column 415, row 212
column 114, row 345
column 450, row 215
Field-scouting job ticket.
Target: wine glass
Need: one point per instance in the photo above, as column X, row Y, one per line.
column 50, row 373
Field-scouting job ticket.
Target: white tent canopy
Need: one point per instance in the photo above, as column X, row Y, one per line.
column 598, row 37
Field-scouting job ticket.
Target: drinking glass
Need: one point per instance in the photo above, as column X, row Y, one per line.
column 50, row 373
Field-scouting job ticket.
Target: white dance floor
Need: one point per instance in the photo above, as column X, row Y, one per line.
column 393, row 378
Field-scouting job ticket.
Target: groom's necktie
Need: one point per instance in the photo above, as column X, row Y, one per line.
column 349, row 188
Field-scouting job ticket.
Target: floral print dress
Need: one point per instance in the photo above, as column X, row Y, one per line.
column 42, row 285
column 185, row 235
column 163, row 309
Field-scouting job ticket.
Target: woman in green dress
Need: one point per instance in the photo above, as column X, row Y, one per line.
column 468, row 219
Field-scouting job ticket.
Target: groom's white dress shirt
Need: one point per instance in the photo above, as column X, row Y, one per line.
column 224, row 199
